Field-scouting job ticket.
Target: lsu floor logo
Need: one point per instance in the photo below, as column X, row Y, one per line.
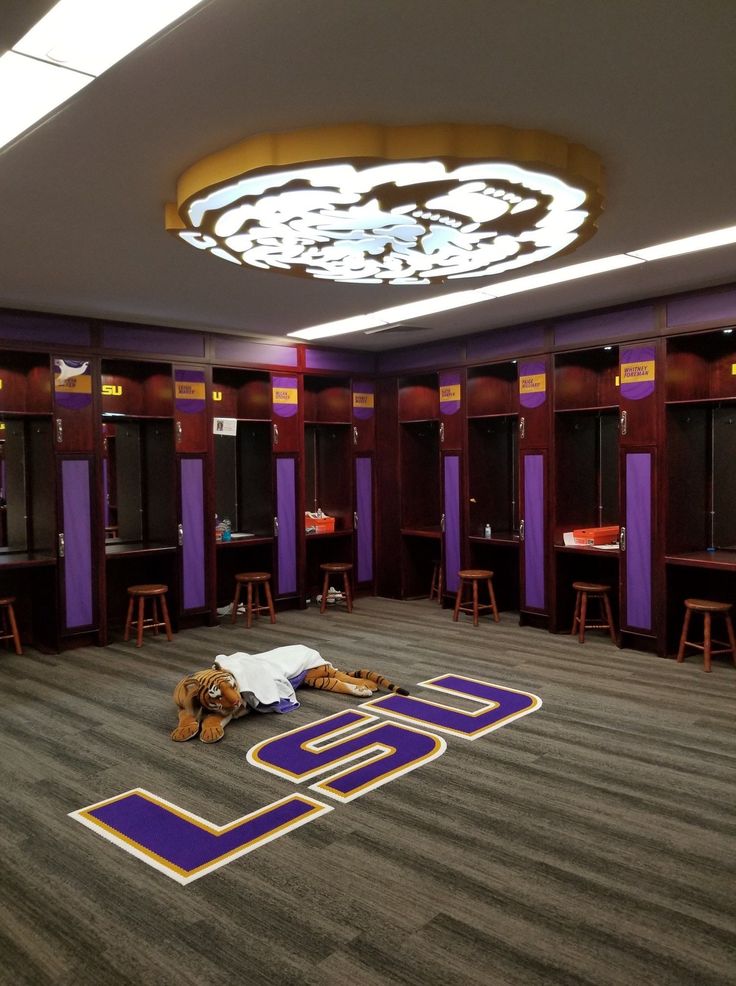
column 344, row 756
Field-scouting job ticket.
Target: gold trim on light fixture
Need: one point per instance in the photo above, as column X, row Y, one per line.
column 403, row 205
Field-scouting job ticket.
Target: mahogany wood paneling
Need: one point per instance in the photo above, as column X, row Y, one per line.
column 241, row 393
column 586, row 379
column 388, row 514
column 328, row 472
column 420, row 475
column 25, row 382
column 418, row 397
column 492, row 389
column 327, row 399
column 493, row 471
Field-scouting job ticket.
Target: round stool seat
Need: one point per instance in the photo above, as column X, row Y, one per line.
column 707, row 606
column 581, row 620
column 343, row 568
column 147, row 590
column 475, row 573
column 9, row 629
column 253, row 581
column 590, row 587
column 156, row 592
column 473, row 578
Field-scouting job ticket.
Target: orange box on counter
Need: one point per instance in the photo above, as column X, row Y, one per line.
column 319, row 525
column 596, row 535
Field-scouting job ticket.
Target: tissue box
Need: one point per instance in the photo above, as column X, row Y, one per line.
column 596, row 535
column 319, row 525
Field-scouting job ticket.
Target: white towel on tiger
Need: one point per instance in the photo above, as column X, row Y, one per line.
column 267, row 680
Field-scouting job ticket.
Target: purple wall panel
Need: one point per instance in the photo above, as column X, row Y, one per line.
column 534, row 531
column 286, row 513
column 608, row 327
column 639, row 540
column 453, row 562
column 498, row 343
column 43, row 329
column 78, row 589
column 142, row 339
column 364, row 510
column 192, row 519
column 720, row 306
column 105, row 494
column 421, row 357
column 253, row 353
column 331, row 359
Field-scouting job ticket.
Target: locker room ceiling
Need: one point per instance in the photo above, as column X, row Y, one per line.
column 650, row 86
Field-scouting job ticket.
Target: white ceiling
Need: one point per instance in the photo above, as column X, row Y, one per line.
column 650, row 85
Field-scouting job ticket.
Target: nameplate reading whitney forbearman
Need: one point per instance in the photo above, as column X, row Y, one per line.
column 344, row 756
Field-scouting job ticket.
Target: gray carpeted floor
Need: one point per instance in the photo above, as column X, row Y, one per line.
column 589, row 842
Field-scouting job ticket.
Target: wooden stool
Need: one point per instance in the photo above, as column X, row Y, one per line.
column 10, row 627
column 141, row 593
column 436, row 588
column 592, row 590
column 472, row 576
column 708, row 608
column 336, row 568
column 253, row 604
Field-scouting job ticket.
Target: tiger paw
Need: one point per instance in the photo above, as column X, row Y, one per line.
column 185, row 732
column 361, row 690
column 211, row 733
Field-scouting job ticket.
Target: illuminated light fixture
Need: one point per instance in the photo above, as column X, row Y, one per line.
column 559, row 276
column 404, row 313
column 29, row 90
column 689, row 244
column 459, row 299
column 76, row 41
column 368, row 204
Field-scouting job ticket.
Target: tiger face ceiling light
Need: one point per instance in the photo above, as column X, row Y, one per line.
column 366, row 204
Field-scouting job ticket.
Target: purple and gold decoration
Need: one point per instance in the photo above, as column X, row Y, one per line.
column 185, row 846
column 499, row 706
column 363, row 400
column 303, row 753
column 189, row 392
column 285, row 396
column 72, row 383
column 637, row 372
column 532, row 384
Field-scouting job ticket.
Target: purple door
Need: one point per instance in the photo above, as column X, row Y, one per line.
column 76, row 544
column 533, row 531
column 192, row 534
column 638, row 539
column 364, row 514
column 285, row 528
column 451, row 505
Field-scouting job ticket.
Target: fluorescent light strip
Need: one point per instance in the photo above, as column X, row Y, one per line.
column 405, row 313
column 30, row 89
column 689, row 244
column 76, row 41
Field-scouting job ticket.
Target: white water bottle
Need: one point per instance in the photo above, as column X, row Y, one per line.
column 487, row 532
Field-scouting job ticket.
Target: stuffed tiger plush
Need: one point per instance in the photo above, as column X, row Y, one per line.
column 208, row 700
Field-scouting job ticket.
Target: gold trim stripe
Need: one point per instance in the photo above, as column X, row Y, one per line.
column 373, row 141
